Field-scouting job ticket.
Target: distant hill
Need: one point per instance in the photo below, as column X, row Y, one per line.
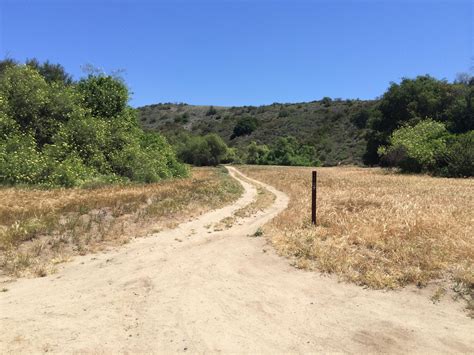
column 336, row 128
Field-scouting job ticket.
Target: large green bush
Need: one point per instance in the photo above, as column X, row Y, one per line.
column 429, row 147
column 204, row 150
column 59, row 133
column 421, row 143
column 457, row 160
column 284, row 151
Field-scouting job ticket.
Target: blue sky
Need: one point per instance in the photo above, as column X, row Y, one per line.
column 245, row 52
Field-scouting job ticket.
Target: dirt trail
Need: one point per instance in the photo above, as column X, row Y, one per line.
column 191, row 289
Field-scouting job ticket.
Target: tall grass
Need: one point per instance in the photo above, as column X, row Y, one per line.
column 375, row 228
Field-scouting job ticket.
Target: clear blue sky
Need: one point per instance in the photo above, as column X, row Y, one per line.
column 245, row 52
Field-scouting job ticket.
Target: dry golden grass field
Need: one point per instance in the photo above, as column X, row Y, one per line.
column 40, row 228
column 376, row 228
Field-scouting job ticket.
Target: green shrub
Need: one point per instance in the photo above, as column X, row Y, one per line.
column 20, row 161
column 415, row 148
column 59, row 133
column 203, row 150
column 244, row 126
column 257, row 154
column 70, row 172
column 285, row 151
column 458, row 158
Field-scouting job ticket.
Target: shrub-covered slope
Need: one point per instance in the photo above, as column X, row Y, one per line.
column 336, row 128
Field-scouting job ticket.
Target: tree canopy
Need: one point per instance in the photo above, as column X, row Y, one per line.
column 57, row 132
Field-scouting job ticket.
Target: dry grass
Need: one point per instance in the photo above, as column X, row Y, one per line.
column 263, row 199
column 40, row 228
column 376, row 228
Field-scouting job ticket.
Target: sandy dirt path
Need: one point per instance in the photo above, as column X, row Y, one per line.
column 193, row 290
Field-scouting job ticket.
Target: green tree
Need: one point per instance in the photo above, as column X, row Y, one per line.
column 38, row 107
column 257, row 154
column 69, row 135
column 105, row 96
column 412, row 101
column 458, row 158
column 204, row 150
column 421, row 144
column 288, row 151
column 50, row 72
column 244, row 126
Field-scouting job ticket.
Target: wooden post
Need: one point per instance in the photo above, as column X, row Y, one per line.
column 313, row 198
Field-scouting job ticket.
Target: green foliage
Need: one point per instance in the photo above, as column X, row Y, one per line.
column 58, row 133
column 360, row 118
column 422, row 144
column 416, row 99
column 105, row 96
column 244, row 126
column 20, row 161
column 285, row 151
column 340, row 131
column 288, row 151
column 457, row 160
column 329, row 130
column 283, row 113
column 38, row 107
column 50, row 72
column 429, row 147
column 326, row 101
column 204, row 150
column 257, row 154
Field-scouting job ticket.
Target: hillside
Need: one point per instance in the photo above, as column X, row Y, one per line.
column 328, row 125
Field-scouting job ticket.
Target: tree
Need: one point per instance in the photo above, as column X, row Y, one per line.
column 416, row 147
column 257, row 154
column 288, row 151
column 326, row 101
column 458, row 158
column 412, row 101
column 50, row 72
column 67, row 135
column 201, row 150
column 104, row 95
column 38, row 107
column 244, row 126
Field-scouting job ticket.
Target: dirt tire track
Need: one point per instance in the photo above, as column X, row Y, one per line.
column 218, row 291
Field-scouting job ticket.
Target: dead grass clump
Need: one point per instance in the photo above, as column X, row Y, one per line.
column 40, row 228
column 376, row 229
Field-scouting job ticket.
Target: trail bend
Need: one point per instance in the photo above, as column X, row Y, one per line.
column 192, row 289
